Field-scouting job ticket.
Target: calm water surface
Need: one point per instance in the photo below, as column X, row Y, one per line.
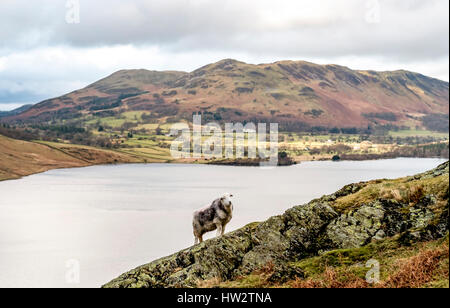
column 111, row 219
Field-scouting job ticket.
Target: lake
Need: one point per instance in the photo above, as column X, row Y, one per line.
column 106, row 220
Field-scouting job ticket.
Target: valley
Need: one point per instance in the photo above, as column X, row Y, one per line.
column 324, row 112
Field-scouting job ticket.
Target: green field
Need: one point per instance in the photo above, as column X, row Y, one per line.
column 418, row 133
column 115, row 122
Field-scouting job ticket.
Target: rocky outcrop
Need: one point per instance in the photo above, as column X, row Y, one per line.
column 415, row 208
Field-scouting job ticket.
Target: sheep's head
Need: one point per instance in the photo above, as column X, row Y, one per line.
column 226, row 199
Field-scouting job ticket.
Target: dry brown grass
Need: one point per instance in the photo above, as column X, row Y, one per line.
column 416, row 271
column 391, row 194
column 260, row 278
column 20, row 158
column 209, row 283
column 402, row 190
column 409, row 194
column 331, row 279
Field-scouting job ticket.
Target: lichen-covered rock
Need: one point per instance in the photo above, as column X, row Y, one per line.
column 418, row 212
column 288, row 237
column 383, row 218
column 357, row 228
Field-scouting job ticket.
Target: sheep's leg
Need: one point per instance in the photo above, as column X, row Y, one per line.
column 223, row 230
column 219, row 230
column 196, row 240
column 201, row 238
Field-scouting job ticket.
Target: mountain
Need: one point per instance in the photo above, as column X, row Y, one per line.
column 16, row 111
column 296, row 94
column 401, row 223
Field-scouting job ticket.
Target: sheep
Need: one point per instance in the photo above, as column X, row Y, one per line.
column 212, row 217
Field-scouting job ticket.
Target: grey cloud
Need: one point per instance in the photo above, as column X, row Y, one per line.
column 408, row 28
column 199, row 31
column 7, row 97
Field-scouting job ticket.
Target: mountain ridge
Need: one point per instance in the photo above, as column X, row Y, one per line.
column 295, row 93
column 15, row 111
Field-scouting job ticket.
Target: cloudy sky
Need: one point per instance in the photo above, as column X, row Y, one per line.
column 49, row 47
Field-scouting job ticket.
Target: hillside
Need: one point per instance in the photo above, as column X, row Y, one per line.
column 20, row 158
column 402, row 223
column 14, row 112
column 297, row 95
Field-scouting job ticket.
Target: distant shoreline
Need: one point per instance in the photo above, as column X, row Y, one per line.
column 228, row 162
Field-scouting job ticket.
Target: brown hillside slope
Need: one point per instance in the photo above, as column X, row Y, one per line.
column 284, row 92
column 20, row 158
